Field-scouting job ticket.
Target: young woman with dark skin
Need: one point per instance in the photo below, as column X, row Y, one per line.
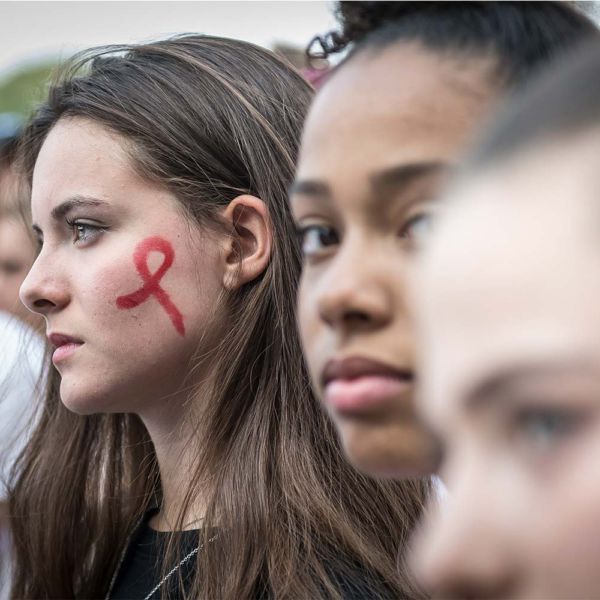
column 382, row 134
column 179, row 451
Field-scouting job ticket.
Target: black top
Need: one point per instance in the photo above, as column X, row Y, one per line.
column 141, row 570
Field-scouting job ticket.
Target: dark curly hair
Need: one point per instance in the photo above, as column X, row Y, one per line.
column 522, row 35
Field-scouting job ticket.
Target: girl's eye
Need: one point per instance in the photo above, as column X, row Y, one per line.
column 315, row 238
column 417, row 228
column 84, row 232
column 541, row 430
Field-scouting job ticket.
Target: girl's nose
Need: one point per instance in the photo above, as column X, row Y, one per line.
column 42, row 291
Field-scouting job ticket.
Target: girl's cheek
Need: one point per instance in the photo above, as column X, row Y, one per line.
column 151, row 286
column 104, row 284
column 154, row 285
column 577, row 499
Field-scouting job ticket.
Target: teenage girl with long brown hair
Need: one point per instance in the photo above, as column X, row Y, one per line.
column 179, row 451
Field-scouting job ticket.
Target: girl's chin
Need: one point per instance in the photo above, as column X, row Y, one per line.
column 389, row 451
column 82, row 406
column 76, row 400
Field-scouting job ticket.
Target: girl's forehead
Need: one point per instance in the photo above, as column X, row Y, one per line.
column 80, row 158
column 534, row 199
column 411, row 82
column 351, row 132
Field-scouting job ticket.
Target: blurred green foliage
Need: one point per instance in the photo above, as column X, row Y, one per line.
column 25, row 88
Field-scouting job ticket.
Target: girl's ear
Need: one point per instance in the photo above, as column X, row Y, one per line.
column 248, row 250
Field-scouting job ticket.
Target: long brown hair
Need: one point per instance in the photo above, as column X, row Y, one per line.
column 210, row 119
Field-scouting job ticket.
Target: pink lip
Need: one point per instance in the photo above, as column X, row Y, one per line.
column 359, row 385
column 65, row 346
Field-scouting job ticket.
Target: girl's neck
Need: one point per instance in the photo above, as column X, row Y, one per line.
column 171, row 428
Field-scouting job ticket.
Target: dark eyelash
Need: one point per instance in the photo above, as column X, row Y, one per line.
column 71, row 222
column 93, row 229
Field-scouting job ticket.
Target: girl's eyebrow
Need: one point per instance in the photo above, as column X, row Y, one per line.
column 394, row 178
column 401, row 176
column 499, row 387
column 310, row 187
column 64, row 208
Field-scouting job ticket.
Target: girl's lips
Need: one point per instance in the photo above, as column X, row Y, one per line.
column 65, row 346
column 64, row 351
column 358, row 385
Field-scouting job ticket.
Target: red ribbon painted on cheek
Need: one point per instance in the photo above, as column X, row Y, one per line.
column 151, row 285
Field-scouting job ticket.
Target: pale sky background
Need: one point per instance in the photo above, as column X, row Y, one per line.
column 33, row 30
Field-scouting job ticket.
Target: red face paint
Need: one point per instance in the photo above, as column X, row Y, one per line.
column 151, row 285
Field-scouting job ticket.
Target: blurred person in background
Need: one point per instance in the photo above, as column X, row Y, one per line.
column 21, row 348
column 17, row 246
column 314, row 71
column 507, row 303
column 382, row 134
column 180, row 451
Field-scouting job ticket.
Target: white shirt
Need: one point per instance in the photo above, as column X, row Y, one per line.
column 21, row 359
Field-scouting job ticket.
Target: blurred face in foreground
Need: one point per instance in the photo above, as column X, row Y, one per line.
column 508, row 309
column 376, row 148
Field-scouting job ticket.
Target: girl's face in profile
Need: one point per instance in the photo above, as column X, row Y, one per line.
column 126, row 283
column 508, row 308
column 378, row 142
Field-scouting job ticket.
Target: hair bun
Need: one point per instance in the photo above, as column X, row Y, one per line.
column 359, row 19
